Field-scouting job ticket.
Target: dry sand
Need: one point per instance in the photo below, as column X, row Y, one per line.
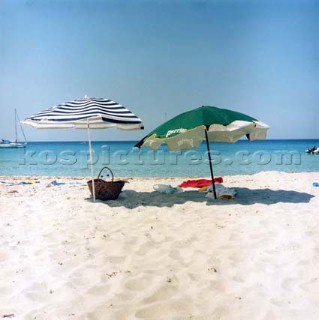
column 149, row 255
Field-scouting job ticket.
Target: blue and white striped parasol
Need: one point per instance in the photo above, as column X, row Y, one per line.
column 98, row 113
column 87, row 113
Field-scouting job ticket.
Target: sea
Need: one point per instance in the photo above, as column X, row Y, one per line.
column 71, row 159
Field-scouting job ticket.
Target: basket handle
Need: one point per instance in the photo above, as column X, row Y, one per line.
column 107, row 169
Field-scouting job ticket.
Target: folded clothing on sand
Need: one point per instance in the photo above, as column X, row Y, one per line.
column 166, row 188
column 199, row 183
column 10, row 183
column 221, row 192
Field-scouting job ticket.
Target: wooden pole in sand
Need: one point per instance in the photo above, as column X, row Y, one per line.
column 91, row 160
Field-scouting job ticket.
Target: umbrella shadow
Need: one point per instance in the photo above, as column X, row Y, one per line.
column 247, row 196
column 132, row 199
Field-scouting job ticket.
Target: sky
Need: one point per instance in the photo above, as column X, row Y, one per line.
column 161, row 58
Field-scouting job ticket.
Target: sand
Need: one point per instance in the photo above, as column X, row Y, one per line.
column 157, row 256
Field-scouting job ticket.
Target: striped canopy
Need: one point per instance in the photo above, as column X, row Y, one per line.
column 97, row 113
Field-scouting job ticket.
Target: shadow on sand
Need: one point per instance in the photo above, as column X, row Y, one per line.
column 133, row 199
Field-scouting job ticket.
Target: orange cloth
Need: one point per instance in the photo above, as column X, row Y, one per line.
column 199, row 183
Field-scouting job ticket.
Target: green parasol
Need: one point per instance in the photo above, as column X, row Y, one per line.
column 187, row 130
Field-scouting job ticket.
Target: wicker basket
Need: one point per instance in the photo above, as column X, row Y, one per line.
column 106, row 190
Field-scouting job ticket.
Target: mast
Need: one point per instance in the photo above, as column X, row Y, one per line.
column 18, row 120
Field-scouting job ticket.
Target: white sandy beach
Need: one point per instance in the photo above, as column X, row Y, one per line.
column 155, row 256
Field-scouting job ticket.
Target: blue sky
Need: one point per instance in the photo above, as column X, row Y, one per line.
column 160, row 58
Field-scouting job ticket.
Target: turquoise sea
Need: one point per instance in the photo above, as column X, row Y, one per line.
column 242, row 157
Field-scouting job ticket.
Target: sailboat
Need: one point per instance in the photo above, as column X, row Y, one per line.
column 14, row 144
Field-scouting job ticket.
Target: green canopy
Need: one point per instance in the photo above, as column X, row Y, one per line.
column 187, row 130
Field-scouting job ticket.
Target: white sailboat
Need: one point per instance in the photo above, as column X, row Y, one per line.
column 14, row 143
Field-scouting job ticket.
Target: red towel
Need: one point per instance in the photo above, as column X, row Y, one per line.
column 199, row 183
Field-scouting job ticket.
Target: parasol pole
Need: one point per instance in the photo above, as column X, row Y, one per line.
column 210, row 164
column 91, row 160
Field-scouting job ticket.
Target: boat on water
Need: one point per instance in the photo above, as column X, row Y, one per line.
column 4, row 143
column 313, row 150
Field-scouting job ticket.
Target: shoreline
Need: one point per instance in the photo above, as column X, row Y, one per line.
column 207, row 176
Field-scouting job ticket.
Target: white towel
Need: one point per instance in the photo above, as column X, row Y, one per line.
column 221, row 192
